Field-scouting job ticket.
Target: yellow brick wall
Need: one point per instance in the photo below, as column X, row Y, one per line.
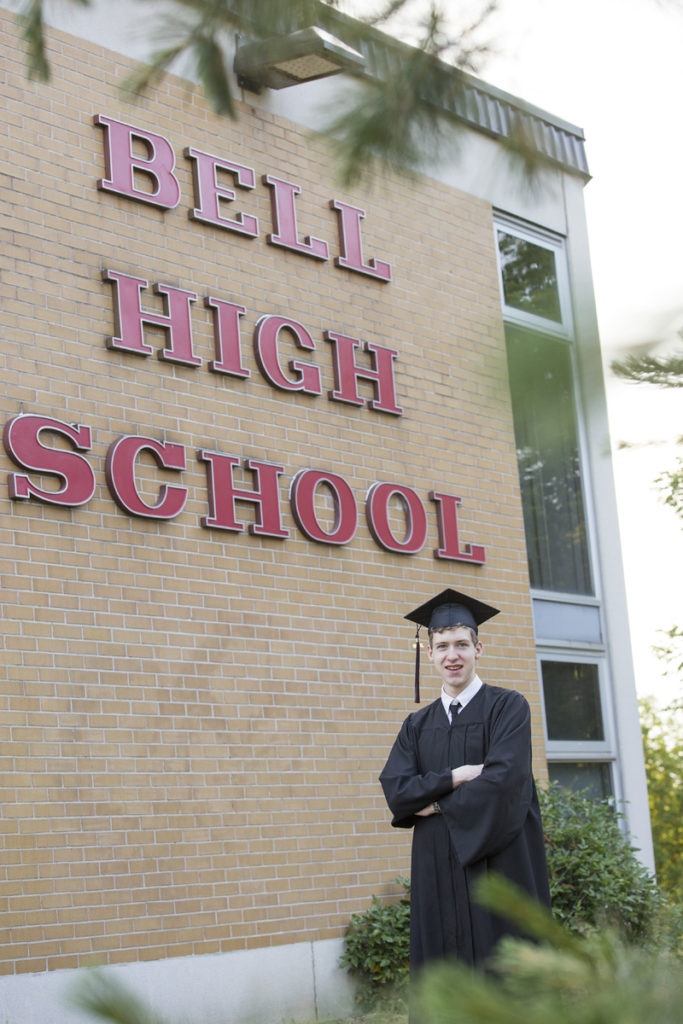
column 192, row 722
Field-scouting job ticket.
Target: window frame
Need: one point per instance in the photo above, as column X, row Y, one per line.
column 579, row 750
column 546, row 240
column 612, row 798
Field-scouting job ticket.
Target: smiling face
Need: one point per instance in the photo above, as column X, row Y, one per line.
column 454, row 654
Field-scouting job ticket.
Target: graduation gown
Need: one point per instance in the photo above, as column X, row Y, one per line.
column 492, row 823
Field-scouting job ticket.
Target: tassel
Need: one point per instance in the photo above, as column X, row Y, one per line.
column 417, row 665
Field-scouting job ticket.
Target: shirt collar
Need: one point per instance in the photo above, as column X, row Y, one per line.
column 470, row 691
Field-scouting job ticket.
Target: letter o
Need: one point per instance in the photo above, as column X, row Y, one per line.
column 377, row 513
column 302, row 498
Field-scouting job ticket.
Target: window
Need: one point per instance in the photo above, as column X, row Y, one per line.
column 529, row 276
column 535, row 295
column 578, row 740
column 593, row 777
column 546, row 436
column 534, row 285
column 533, row 278
column 571, row 693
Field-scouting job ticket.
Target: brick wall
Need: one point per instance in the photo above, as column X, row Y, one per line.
column 193, row 720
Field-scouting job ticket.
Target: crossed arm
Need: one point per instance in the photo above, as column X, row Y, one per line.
column 465, row 773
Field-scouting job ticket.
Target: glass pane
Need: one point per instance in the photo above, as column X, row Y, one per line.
column 594, row 777
column 572, row 701
column 542, row 390
column 529, row 277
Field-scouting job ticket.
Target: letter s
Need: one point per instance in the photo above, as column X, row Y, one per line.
column 22, row 441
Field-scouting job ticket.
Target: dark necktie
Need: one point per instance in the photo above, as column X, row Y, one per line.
column 454, row 710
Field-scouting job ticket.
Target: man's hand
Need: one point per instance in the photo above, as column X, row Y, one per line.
column 426, row 811
column 465, row 773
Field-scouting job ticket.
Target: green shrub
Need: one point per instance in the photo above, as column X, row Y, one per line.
column 595, row 875
column 376, row 949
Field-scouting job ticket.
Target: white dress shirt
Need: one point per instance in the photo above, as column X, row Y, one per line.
column 463, row 698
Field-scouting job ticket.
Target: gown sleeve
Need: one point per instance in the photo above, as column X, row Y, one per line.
column 407, row 790
column 485, row 815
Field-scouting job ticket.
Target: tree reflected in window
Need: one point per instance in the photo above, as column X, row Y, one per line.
column 529, row 277
column 542, row 390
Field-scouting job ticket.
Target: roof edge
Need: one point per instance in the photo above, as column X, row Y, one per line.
column 480, row 105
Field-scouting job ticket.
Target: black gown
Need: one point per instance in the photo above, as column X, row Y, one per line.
column 490, row 824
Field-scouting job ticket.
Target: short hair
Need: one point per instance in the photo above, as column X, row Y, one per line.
column 456, row 625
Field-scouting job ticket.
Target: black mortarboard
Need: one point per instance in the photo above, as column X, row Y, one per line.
column 449, row 608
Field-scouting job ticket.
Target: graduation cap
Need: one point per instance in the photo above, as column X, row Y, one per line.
column 447, row 609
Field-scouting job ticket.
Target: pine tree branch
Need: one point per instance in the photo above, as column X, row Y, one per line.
column 665, row 372
column 31, row 18
column 400, row 116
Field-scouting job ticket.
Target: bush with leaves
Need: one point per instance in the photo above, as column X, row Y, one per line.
column 376, row 949
column 595, row 874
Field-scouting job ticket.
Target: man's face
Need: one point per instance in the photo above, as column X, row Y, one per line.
column 454, row 656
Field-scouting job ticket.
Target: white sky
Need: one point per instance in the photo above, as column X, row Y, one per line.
column 615, row 68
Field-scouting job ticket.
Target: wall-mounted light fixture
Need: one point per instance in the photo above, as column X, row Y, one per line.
column 302, row 56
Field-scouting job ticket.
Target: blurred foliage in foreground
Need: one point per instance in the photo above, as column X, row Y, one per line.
column 559, row 978
column 99, row 994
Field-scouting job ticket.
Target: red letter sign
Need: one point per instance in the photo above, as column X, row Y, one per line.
column 23, row 444
column 129, row 316
column 284, row 220
column 351, row 245
column 208, row 193
column 226, row 335
column 377, row 512
column 121, row 164
column 302, row 497
column 346, row 374
column 447, row 515
column 120, row 473
column 223, row 494
column 266, row 336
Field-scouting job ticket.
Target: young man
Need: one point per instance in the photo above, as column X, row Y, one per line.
column 459, row 774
